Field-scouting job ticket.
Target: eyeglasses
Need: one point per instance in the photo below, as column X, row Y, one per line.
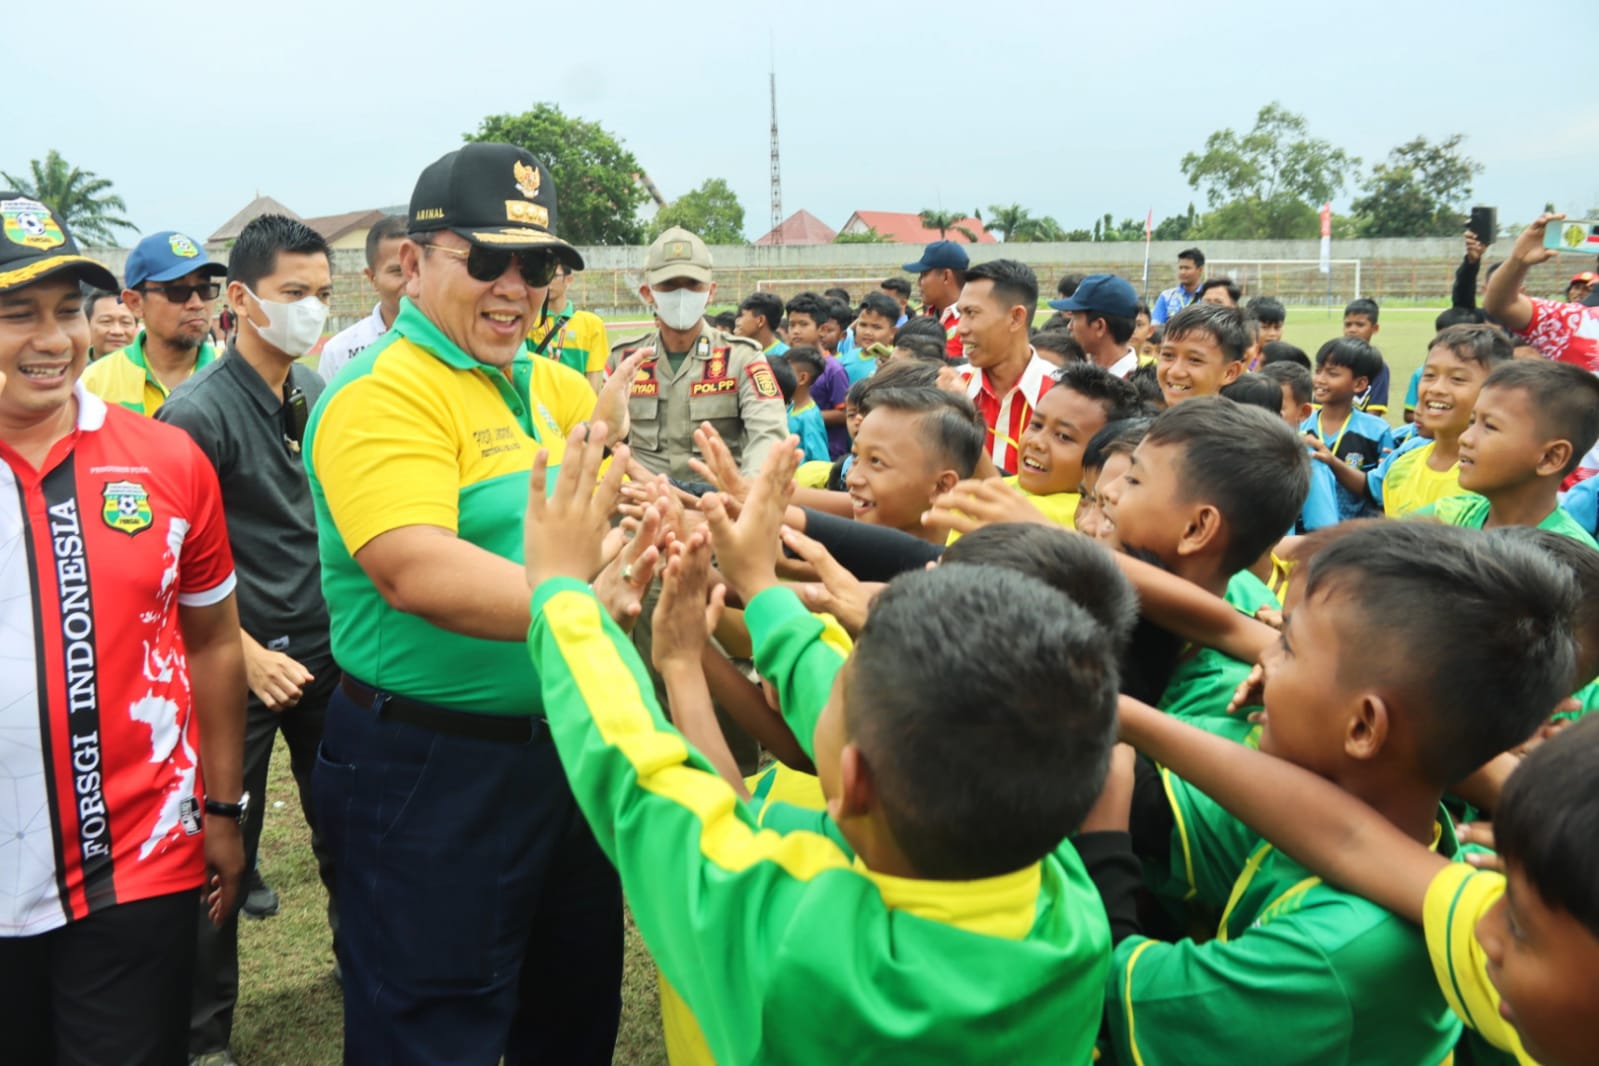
column 179, row 294
column 295, row 416
column 488, row 264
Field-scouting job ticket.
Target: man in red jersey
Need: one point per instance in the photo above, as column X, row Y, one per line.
column 122, row 698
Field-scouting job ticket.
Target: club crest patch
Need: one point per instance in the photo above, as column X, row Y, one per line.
column 127, row 507
column 716, row 365
column 30, row 224
column 765, row 384
column 527, row 179
column 182, row 247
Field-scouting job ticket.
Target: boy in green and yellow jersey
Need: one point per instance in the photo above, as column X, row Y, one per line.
column 963, row 929
column 1532, row 424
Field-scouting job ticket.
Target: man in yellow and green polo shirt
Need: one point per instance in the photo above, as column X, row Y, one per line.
column 575, row 338
column 483, row 919
column 172, row 286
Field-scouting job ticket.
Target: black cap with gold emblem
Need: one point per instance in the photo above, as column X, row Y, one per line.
column 496, row 195
column 34, row 244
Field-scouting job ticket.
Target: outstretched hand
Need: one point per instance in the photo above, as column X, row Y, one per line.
column 610, row 407
column 621, row 585
column 718, row 467
column 565, row 531
column 1529, row 248
column 746, row 550
column 686, row 615
column 839, row 593
column 975, row 503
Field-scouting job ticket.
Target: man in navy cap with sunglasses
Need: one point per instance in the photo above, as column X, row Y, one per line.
column 171, row 287
column 478, row 918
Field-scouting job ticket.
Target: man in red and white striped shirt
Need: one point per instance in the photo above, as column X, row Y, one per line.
column 1006, row 376
column 940, row 273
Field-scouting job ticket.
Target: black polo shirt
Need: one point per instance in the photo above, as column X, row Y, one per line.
column 248, row 434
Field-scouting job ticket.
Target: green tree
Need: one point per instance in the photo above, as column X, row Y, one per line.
column 871, row 236
column 712, row 211
column 1009, row 221
column 1421, row 190
column 596, row 179
column 944, row 221
column 80, row 198
column 1177, row 227
column 1267, row 182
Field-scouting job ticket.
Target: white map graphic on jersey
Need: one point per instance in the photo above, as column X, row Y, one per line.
column 166, row 733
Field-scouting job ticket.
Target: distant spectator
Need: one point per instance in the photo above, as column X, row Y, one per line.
column 874, row 324
column 900, row 290
column 723, row 320
column 1190, row 273
column 758, row 318
column 573, row 337
column 920, row 326
column 806, row 314
column 1067, row 286
column 1272, row 316
column 1144, row 326
column 1223, row 291
column 1360, row 320
column 1059, row 347
column 802, row 366
column 1255, row 390
column 1579, row 288
column 940, row 274
column 1104, row 314
column 914, row 346
column 111, row 324
column 383, row 273
column 1464, row 291
column 841, row 295
column 1146, row 380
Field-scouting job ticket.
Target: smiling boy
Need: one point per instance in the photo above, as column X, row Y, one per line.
column 1084, row 399
column 1201, row 350
column 1350, row 442
column 912, row 447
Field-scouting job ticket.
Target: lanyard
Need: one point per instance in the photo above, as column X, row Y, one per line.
column 1333, row 447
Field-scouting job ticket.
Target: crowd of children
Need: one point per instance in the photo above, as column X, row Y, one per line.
column 1176, row 743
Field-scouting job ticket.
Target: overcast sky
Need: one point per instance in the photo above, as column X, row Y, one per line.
column 1071, row 110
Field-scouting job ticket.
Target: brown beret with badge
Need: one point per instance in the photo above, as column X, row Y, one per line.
column 35, row 244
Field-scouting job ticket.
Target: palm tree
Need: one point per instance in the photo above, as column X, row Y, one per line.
column 944, row 221
column 77, row 197
column 1011, row 221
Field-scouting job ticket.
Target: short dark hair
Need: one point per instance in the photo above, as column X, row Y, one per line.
column 809, row 357
column 1014, row 283
column 1224, row 325
column 1061, row 342
column 809, row 304
column 254, row 254
column 922, row 347
column 1255, row 390
column 1120, row 327
column 1583, row 562
column 899, row 285
column 1066, row 287
column 1145, row 379
column 901, row 373
column 1475, row 631
column 1024, row 717
column 1235, row 291
column 1287, row 372
column 1121, row 437
column 1193, row 255
column 92, row 296
column 765, row 304
column 1283, row 352
column 858, row 390
column 840, row 312
column 387, row 228
column 1141, row 308
column 787, row 380
column 880, row 303
column 1242, row 460
column 1083, row 569
column 1267, row 309
column 1457, row 316
column 921, row 325
column 1362, row 306
column 949, row 425
column 1564, row 401
column 1484, row 345
column 836, row 293
column 1548, row 818
column 1118, row 399
column 1361, row 358
column 726, row 321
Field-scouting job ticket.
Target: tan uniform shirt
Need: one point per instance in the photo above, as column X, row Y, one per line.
column 724, row 380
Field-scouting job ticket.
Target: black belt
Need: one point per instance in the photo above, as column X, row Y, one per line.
column 519, row 729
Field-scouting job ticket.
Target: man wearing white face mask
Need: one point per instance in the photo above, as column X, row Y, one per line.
column 247, row 411
column 693, row 373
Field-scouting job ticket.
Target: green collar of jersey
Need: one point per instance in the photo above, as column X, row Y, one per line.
column 513, row 386
column 135, row 354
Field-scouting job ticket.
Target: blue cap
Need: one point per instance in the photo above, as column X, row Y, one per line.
column 940, row 255
column 1104, row 294
column 164, row 256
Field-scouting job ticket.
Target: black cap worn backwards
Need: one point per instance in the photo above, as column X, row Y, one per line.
column 496, row 195
column 35, row 244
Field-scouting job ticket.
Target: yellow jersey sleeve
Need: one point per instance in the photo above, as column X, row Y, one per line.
column 589, row 333
column 385, row 459
column 561, row 393
column 1456, row 900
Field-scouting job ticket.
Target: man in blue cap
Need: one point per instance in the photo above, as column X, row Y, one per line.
column 940, row 275
column 1104, row 312
column 171, row 287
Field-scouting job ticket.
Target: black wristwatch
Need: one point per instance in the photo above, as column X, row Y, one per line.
column 236, row 811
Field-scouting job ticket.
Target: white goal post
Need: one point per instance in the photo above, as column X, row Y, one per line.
column 1290, row 280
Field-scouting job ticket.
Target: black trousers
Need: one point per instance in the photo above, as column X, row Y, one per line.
column 216, row 970
column 107, row 990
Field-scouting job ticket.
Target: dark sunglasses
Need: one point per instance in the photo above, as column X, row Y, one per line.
column 179, row 294
column 538, row 266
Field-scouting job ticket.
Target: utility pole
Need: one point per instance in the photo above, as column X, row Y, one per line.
column 777, row 172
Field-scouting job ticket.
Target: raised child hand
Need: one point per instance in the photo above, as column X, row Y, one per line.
column 565, row 530
column 687, row 614
column 975, row 503
column 746, row 550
